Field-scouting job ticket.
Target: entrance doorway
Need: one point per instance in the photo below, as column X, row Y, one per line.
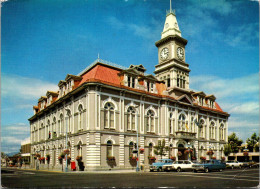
column 181, row 155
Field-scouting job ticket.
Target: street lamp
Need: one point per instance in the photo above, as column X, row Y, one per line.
column 137, row 142
column 66, row 155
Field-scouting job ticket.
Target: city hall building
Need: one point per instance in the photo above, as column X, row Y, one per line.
column 104, row 107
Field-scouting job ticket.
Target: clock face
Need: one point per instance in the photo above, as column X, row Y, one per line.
column 164, row 53
column 180, row 53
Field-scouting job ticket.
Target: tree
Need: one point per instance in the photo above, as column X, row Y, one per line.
column 227, row 149
column 234, row 142
column 161, row 149
column 252, row 142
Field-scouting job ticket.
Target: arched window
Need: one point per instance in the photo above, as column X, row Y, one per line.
column 109, row 115
column 212, row 130
column 131, row 148
column 150, row 121
column 150, row 149
column 60, row 123
column 131, row 118
column 69, row 120
column 80, row 117
column 221, row 132
column 201, row 151
column 171, row 123
column 54, row 128
column 48, row 129
column 181, row 126
column 192, row 124
column 109, row 148
column 201, row 128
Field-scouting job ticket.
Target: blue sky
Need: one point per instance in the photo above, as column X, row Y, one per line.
column 43, row 40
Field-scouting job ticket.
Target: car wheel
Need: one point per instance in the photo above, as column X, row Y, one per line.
column 220, row 170
column 151, row 170
column 195, row 171
column 168, row 169
column 240, row 167
column 159, row 169
column 206, row 170
column 178, row 169
column 232, row 167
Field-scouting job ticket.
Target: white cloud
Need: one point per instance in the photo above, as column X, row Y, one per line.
column 25, row 87
column 238, row 96
column 12, row 135
column 145, row 31
column 246, row 108
column 223, row 88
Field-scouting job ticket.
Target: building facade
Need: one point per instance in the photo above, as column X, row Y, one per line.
column 103, row 108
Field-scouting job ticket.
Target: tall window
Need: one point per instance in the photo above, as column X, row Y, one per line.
column 131, row 148
column 150, row 121
column 201, row 128
column 60, row 122
column 109, row 148
column 129, row 81
column 133, row 82
column 131, row 118
column 54, row 127
column 168, row 82
column 212, row 130
column 109, row 115
column 181, row 126
column 48, row 129
column 150, row 149
column 69, row 120
column 221, row 132
column 192, row 124
column 80, row 117
column 171, row 123
column 148, row 86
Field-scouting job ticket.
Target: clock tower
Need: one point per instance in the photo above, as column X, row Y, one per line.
column 172, row 67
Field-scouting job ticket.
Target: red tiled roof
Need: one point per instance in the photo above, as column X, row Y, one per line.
column 108, row 75
column 102, row 73
column 218, row 107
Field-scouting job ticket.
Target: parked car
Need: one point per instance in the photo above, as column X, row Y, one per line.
column 209, row 165
column 233, row 164
column 178, row 166
column 157, row 166
column 250, row 164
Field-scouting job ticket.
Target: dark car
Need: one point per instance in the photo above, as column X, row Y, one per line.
column 209, row 165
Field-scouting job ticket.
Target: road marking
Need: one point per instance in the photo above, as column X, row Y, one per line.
column 231, row 178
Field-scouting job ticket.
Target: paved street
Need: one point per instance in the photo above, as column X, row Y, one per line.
column 227, row 178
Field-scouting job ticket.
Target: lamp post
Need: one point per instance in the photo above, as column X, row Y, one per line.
column 137, row 143
column 66, row 155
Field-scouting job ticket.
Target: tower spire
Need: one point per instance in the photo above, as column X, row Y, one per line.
column 170, row 6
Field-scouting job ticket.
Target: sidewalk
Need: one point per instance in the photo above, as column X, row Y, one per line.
column 79, row 172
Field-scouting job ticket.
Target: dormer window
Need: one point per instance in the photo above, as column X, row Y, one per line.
column 168, row 82
column 211, row 104
column 148, row 86
column 201, row 101
column 152, row 85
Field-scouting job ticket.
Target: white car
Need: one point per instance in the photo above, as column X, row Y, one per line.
column 179, row 166
column 233, row 164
